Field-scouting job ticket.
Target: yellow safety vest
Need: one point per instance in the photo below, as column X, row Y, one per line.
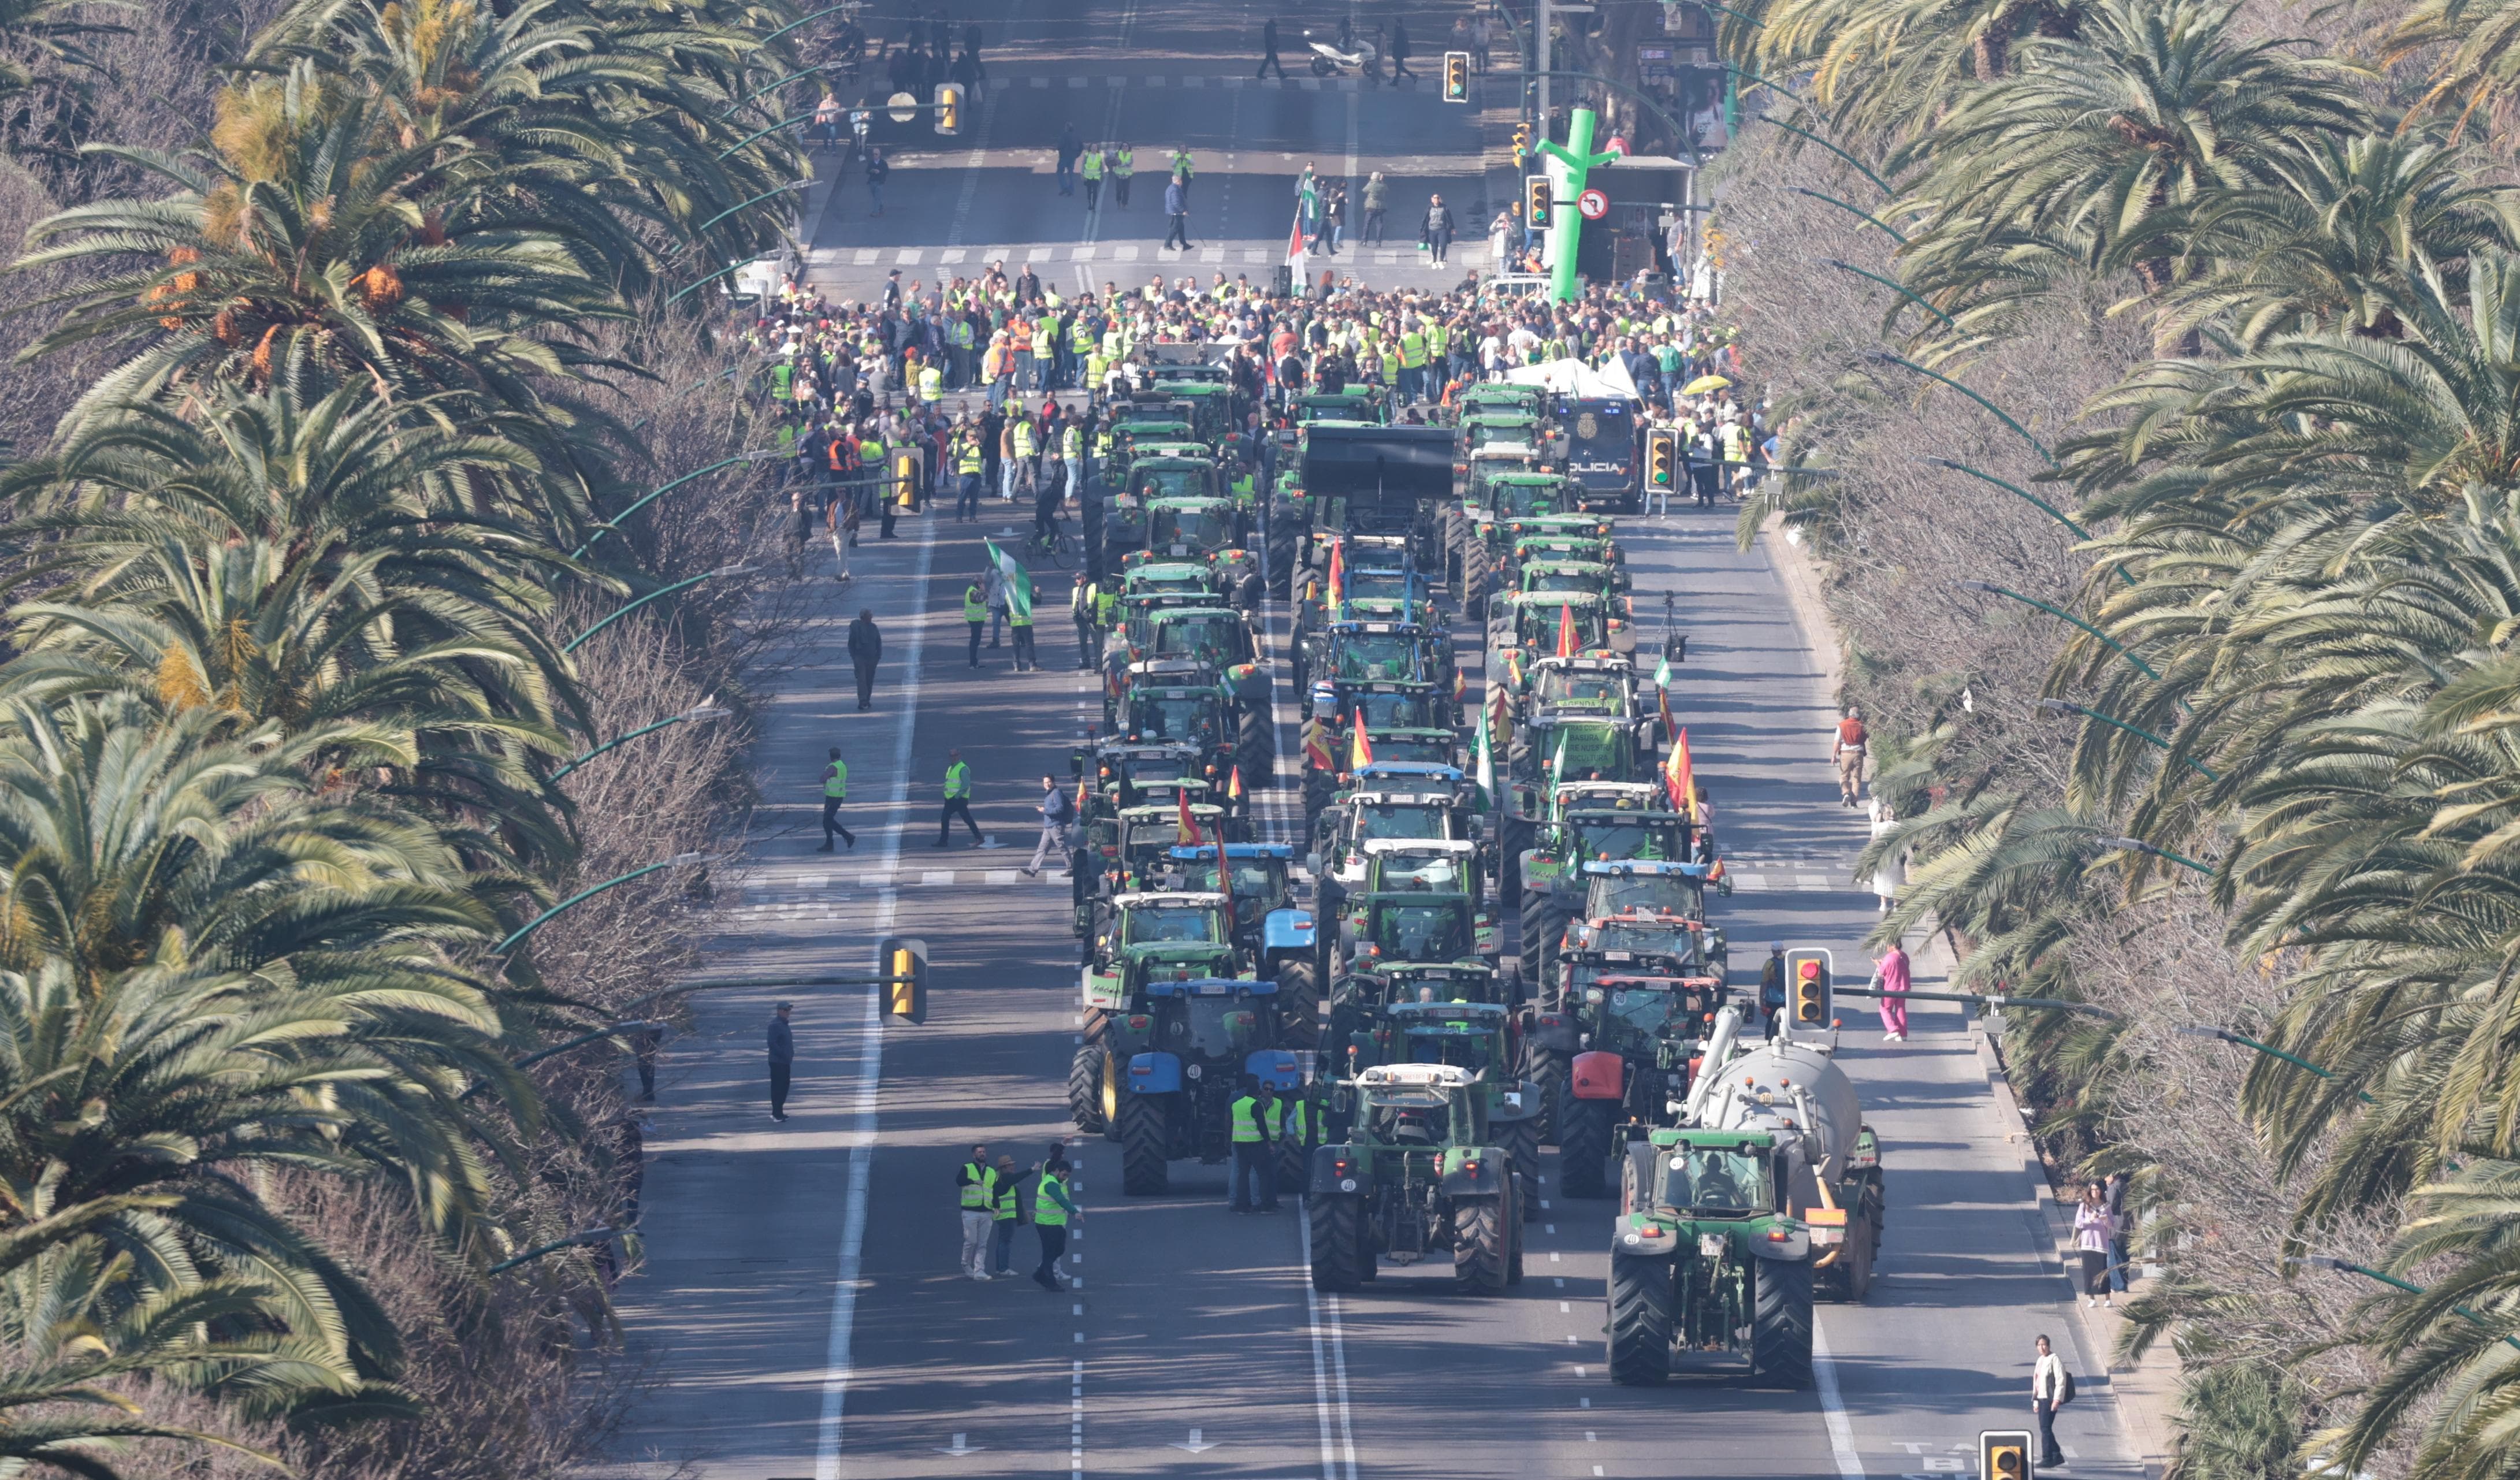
column 835, row 786
column 1413, row 351
column 931, row 384
column 976, row 1193
column 1046, row 1211
column 971, row 459
column 1002, row 1198
column 958, row 780
column 1023, row 439
column 1094, row 164
column 1295, row 1118
column 1246, row 1122
column 973, row 609
column 1181, row 162
column 1106, row 608
column 1123, row 164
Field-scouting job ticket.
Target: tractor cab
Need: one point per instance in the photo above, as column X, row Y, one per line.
column 1506, row 396
column 1148, row 834
column 1417, row 901
column 1144, row 576
column 1554, row 545
column 1367, row 650
column 1575, row 622
column 1649, row 909
column 1142, row 937
column 1543, row 577
column 1583, row 685
column 1383, row 807
column 1193, row 522
column 1181, row 714
column 1357, row 403
column 1723, row 1175
column 1430, row 745
column 1216, row 638
column 1158, row 478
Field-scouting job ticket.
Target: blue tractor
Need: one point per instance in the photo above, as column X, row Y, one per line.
column 1199, row 1038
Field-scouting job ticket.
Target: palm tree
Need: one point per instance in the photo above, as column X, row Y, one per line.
column 2478, row 46
column 1882, row 69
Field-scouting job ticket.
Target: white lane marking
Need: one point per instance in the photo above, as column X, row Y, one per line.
column 1354, row 102
column 838, row 1354
column 1326, row 1368
column 1832, row 1408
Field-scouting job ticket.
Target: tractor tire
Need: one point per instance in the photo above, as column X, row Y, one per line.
column 1475, row 586
column 1299, row 1004
column 1282, row 556
column 1636, row 1176
column 1085, row 1088
column 1145, row 1171
column 1516, row 840
column 1522, row 1142
column 1547, row 1067
column 1857, row 1255
column 1781, row 1322
column 1452, row 538
column 1544, row 929
column 1339, row 1254
column 1643, row 1309
column 1255, row 750
column 1479, row 1241
column 1583, row 1147
column 1294, row 1169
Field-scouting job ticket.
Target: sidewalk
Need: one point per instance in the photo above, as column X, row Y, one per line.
column 2144, row 1395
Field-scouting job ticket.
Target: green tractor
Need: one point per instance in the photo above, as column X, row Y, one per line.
column 1612, row 1059
column 1551, row 749
column 1588, row 822
column 1523, row 628
column 1116, row 776
column 1730, row 1222
column 1421, row 900
column 1532, row 401
column 1453, row 1012
column 1142, row 937
column 1416, row 1176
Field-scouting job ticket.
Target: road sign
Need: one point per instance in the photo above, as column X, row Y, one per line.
column 903, row 107
column 1593, row 204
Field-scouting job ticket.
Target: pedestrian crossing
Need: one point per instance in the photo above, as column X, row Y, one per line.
column 823, row 893
column 1798, row 874
column 977, row 259
column 1296, row 80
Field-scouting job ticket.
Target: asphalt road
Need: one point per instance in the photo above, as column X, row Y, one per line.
column 798, row 1313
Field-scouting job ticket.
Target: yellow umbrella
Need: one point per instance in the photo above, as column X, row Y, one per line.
column 1704, row 383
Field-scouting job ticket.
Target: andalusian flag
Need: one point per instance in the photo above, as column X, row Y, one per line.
column 1018, row 584
column 1188, row 826
column 1557, row 772
column 1486, row 764
column 1338, row 580
column 1565, row 630
column 1360, row 751
column 1662, row 690
column 1679, row 778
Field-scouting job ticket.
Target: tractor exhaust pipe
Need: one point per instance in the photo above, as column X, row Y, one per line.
column 1718, row 1051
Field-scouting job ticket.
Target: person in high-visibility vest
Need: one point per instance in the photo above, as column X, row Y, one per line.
column 1123, row 165
column 1019, row 621
column 1006, row 1212
column 835, row 790
column 975, row 1189
column 957, row 797
column 975, row 611
column 1081, row 607
column 931, row 384
column 1052, row 1208
column 1413, row 364
column 1092, row 170
column 1255, row 1151
column 967, row 462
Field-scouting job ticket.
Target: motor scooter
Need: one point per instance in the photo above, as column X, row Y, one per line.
column 1330, row 60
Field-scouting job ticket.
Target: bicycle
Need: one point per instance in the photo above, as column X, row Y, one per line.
column 1061, row 547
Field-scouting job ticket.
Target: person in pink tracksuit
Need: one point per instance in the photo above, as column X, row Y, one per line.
column 1890, row 975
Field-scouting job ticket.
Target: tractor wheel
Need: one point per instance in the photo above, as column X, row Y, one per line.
column 1339, row 1254
column 1282, row 556
column 1145, row 1171
column 1511, row 847
column 1522, row 1142
column 1636, row 1176
column 1299, row 1004
column 1780, row 1321
column 1255, row 750
column 1583, row 1147
column 1547, row 1067
column 1479, row 1234
column 1294, row 1169
column 1085, row 1088
column 1642, row 1312
column 1857, row 1255
column 1543, row 928
column 1475, row 586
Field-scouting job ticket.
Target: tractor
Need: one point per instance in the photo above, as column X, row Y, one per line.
column 1614, row 1058
column 1769, row 1186
column 1420, row 900
column 1589, row 822
column 1414, row 1176
column 1194, row 1041
column 1140, row 937
column 1551, row 749
column 1268, row 925
column 1206, row 529
column 1454, row 1012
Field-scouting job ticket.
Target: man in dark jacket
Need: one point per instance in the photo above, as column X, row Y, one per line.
column 1058, row 811
column 782, row 1061
column 1269, row 51
column 1400, row 56
column 1070, row 149
column 865, row 650
column 1176, row 212
column 1439, row 228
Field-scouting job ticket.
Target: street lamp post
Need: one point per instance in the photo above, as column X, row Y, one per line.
column 1893, row 283
column 1887, row 358
column 2349, row 1267
column 2138, row 845
column 703, row 710
column 2243, row 1039
column 1867, row 217
column 1990, row 588
column 573, row 644
column 573, row 1240
column 679, row 860
column 757, row 455
column 2067, row 706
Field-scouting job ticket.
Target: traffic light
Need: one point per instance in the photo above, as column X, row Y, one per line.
column 949, row 108
column 1456, row 77
column 1535, row 202
column 1662, row 457
column 2003, row 1453
column 903, row 962
column 1807, row 978
column 1521, row 144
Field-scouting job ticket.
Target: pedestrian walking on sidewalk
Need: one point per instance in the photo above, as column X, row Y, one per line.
column 1890, row 875
column 2120, row 1226
column 835, row 790
column 975, row 1191
column 1890, row 975
column 1057, row 814
column 2092, row 1226
column 877, row 168
column 783, row 1060
column 1846, row 749
column 1177, row 213
column 2051, row 1387
column 958, row 800
column 1269, row 52
column 1052, row 1211
column 865, row 650
column 1006, row 1214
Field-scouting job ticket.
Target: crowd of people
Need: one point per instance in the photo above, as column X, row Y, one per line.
column 954, row 390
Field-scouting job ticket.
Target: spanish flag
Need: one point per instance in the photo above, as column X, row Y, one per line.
column 1679, row 778
column 1189, row 825
column 1081, row 794
column 1565, row 630
column 1234, row 785
column 1360, row 751
column 1338, row 579
column 1317, row 747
